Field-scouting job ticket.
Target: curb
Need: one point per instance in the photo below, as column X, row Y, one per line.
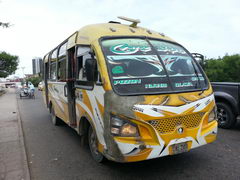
column 23, row 145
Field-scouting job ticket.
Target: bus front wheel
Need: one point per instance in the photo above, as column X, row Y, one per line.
column 93, row 145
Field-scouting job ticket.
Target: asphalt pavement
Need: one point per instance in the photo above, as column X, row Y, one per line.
column 55, row 153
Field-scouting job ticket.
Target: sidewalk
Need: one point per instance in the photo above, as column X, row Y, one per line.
column 13, row 162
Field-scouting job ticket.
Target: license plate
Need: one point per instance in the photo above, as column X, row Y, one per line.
column 179, row 148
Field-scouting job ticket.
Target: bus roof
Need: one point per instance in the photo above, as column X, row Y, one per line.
column 90, row 33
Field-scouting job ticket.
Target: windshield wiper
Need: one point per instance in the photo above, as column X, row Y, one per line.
column 162, row 63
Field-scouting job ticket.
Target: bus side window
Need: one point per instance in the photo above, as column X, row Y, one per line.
column 61, row 72
column 53, row 65
column 81, row 67
column 82, row 55
column 53, row 70
column 62, row 69
column 45, row 66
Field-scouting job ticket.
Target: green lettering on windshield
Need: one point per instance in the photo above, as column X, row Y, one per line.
column 162, row 85
column 117, row 70
column 196, row 79
column 130, row 81
column 186, row 84
column 128, row 49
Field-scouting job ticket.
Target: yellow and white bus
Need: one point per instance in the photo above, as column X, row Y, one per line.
column 133, row 93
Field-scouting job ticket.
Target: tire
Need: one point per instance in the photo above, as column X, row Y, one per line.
column 225, row 115
column 92, row 141
column 54, row 118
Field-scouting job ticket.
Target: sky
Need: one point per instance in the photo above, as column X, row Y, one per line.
column 209, row 27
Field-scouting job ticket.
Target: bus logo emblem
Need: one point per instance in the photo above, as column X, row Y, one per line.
column 180, row 130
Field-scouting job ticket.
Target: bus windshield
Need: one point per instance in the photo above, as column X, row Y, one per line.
column 141, row 66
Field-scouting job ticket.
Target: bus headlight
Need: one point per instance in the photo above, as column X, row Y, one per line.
column 122, row 127
column 212, row 115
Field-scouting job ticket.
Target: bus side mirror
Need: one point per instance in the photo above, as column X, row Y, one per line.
column 199, row 58
column 91, row 70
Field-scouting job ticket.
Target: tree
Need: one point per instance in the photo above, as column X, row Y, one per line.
column 4, row 25
column 226, row 69
column 232, row 67
column 35, row 80
column 8, row 64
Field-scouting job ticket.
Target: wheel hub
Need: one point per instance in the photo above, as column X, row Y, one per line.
column 222, row 115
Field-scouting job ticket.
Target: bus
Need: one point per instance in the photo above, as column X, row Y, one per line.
column 131, row 93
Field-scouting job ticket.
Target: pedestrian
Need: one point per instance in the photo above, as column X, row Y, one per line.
column 31, row 88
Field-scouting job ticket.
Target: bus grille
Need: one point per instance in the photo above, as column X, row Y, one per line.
column 168, row 125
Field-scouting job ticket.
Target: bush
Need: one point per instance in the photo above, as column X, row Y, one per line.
column 225, row 69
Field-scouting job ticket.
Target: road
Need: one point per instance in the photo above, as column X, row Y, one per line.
column 55, row 153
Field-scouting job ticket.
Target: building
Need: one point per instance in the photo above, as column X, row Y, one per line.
column 37, row 66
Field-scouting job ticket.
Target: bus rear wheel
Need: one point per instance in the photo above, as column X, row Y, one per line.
column 93, row 145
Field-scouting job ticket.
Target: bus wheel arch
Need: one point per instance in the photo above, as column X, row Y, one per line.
column 83, row 126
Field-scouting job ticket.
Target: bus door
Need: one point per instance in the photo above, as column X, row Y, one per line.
column 81, row 84
column 69, row 91
column 59, row 86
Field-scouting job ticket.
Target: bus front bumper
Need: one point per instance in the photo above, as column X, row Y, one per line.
column 136, row 149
